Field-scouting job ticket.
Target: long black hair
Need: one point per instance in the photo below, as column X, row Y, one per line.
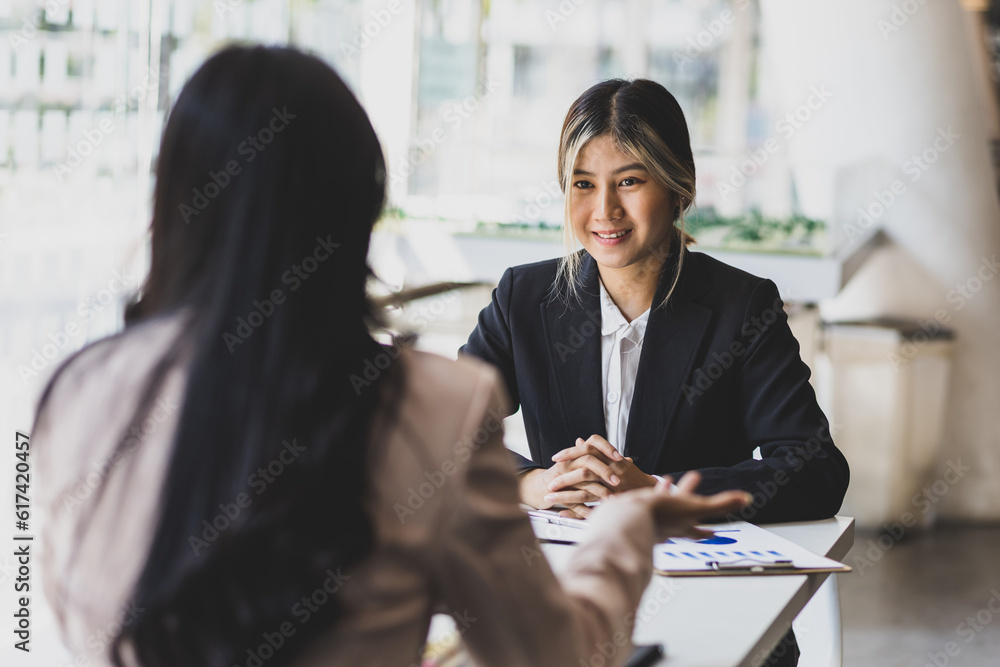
column 268, row 183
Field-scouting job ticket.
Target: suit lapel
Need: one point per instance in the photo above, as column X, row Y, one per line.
column 673, row 336
column 573, row 337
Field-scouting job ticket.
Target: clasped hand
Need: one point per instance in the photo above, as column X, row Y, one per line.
column 588, row 472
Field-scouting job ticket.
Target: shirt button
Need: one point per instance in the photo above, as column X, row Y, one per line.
column 612, row 397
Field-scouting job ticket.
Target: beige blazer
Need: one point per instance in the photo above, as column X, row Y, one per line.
column 450, row 535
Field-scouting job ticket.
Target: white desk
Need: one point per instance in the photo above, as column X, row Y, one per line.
column 730, row 621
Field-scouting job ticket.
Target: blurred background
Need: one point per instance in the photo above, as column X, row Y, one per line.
column 847, row 150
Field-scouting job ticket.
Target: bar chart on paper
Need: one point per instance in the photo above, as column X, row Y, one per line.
column 738, row 548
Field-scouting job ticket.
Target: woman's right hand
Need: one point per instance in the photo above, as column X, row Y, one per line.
column 677, row 512
column 581, row 474
column 535, row 490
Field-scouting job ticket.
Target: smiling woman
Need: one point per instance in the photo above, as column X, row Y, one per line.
column 618, row 213
column 635, row 133
column 611, row 411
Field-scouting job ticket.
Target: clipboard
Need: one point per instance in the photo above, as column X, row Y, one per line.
column 738, row 549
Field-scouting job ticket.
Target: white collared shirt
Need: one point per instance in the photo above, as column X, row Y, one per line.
column 621, row 344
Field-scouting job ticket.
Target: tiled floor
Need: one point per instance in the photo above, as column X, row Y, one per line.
column 924, row 600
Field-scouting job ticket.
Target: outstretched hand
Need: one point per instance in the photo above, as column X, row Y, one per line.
column 677, row 512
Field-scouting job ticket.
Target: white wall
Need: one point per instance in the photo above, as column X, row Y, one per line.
column 893, row 91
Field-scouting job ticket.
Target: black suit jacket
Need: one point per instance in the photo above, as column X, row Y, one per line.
column 719, row 375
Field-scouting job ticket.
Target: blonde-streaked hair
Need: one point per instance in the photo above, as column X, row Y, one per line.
column 645, row 122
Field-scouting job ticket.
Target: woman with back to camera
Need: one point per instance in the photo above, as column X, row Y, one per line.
column 254, row 501
column 635, row 357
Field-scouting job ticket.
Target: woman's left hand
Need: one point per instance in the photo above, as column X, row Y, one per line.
column 630, row 477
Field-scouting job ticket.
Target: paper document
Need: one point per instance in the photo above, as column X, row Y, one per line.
column 738, row 548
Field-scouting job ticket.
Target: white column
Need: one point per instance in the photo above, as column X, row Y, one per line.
column 387, row 79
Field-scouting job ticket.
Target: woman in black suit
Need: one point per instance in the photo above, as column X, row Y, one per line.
column 635, row 357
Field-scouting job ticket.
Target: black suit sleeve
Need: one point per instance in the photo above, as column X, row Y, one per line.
column 802, row 475
column 491, row 341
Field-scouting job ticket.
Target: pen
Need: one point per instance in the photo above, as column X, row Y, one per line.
column 753, row 567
